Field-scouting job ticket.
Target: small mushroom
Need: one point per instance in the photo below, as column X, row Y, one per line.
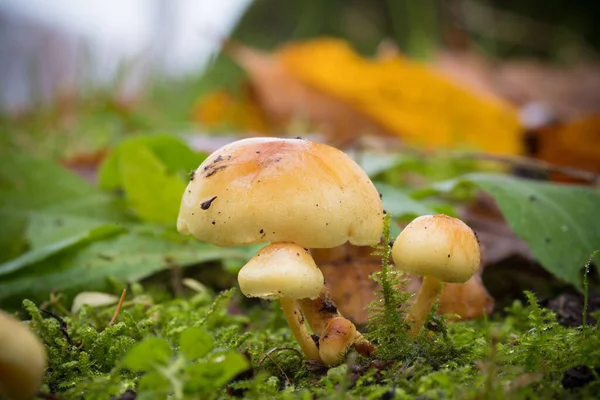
column 22, row 360
column 339, row 335
column 440, row 249
column 287, row 272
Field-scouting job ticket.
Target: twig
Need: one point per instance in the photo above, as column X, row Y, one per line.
column 533, row 164
column 63, row 325
column 586, row 294
column 268, row 355
column 118, row 309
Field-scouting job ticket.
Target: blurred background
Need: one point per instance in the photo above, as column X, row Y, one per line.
column 76, row 77
column 417, row 91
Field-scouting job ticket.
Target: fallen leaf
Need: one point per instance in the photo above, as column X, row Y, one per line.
column 545, row 215
column 92, row 299
column 85, row 164
column 568, row 92
column 497, row 240
column 407, row 98
column 285, row 99
column 222, row 108
column 347, row 269
column 575, row 143
column 469, row 300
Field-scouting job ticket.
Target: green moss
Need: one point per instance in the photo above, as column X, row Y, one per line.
column 521, row 355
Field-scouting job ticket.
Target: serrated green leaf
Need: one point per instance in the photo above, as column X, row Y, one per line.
column 148, row 354
column 195, row 343
column 560, row 223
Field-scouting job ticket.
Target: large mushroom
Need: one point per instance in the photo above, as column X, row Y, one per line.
column 286, row 192
column 22, row 360
column 440, row 249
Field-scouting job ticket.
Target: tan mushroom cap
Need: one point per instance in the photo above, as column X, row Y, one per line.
column 281, row 190
column 281, row 270
column 439, row 246
column 22, row 360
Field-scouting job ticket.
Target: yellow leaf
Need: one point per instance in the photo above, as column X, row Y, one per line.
column 406, row 97
column 574, row 143
column 220, row 108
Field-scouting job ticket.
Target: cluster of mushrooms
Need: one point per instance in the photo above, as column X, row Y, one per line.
column 296, row 195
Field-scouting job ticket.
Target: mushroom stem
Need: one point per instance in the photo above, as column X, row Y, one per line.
column 318, row 312
column 296, row 321
column 321, row 311
column 429, row 292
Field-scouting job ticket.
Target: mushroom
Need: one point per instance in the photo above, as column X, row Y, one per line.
column 292, row 191
column 339, row 335
column 22, row 360
column 440, row 249
column 287, row 272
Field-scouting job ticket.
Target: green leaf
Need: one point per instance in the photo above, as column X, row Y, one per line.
column 153, row 173
column 127, row 257
column 560, row 223
column 29, row 185
column 48, row 228
column 148, row 354
column 152, row 192
column 212, row 374
column 195, row 343
column 173, row 154
column 374, row 163
column 399, row 204
column 154, row 385
column 43, row 252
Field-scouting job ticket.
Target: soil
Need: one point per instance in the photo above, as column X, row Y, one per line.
column 569, row 308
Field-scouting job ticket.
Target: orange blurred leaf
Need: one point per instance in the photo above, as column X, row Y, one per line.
column 221, row 108
column 407, row 98
column 574, row 144
column 326, row 85
column 287, row 101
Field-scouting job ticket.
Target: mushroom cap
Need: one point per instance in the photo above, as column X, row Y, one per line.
column 281, row 190
column 439, row 246
column 22, row 359
column 338, row 336
column 281, row 270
